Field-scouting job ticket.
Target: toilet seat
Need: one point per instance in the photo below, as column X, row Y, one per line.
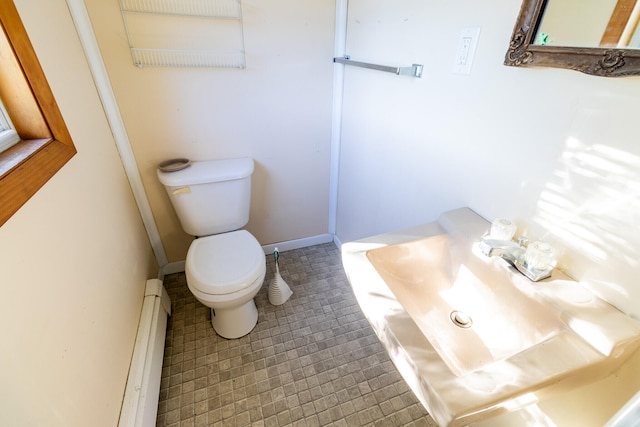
column 224, row 263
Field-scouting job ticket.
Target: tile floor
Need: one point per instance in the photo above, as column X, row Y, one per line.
column 313, row 361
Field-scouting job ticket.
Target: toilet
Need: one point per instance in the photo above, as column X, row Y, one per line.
column 225, row 266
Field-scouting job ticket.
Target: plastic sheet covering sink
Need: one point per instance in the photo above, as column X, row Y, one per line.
column 472, row 337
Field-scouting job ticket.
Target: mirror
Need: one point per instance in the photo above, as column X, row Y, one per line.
column 598, row 37
column 592, row 23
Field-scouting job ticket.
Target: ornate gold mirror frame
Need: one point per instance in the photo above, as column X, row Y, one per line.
column 606, row 62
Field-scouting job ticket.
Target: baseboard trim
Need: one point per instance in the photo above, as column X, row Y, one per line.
column 337, row 242
column 287, row 245
column 172, row 267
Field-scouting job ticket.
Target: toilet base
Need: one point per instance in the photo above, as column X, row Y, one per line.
column 235, row 322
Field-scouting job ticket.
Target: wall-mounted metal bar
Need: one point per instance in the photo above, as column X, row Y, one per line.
column 414, row 70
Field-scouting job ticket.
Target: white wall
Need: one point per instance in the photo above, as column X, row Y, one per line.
column 555, row 150
column 277, row 110
column 74, row 259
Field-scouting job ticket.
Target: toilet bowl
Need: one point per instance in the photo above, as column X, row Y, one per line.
column 225, row 272
column 225, row 266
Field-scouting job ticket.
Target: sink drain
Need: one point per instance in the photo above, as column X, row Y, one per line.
column 461, row 319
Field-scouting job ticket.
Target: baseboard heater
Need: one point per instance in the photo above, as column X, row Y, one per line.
column 140, row 404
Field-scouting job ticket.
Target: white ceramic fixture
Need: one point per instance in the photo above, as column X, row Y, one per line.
column 225, row 266
column 472, row 336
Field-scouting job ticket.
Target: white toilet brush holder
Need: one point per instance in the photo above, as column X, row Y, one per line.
column 279, row 291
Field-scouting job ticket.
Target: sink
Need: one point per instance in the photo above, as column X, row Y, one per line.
column 472, row 337
column 471, row 315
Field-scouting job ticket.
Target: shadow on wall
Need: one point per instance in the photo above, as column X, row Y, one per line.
column 591, row 205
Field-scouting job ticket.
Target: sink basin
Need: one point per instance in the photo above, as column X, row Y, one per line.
column 471, row 336
column 471, row 315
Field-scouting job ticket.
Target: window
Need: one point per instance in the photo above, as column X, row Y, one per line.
column 8, row 135
column 44, row 144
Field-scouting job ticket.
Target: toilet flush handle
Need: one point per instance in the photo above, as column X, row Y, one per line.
column 181, row 190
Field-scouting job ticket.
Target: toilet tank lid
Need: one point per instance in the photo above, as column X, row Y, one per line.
column 202, row 172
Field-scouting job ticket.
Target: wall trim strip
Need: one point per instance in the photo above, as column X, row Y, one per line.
column 103, row 85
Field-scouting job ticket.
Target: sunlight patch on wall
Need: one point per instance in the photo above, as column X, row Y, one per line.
column 590, row 206
column 593, row 202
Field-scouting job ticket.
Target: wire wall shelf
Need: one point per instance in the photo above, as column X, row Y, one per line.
column 202, row 8
column 186, row 58
column 167, row 36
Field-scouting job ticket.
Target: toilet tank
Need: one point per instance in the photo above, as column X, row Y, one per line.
column 212, row 196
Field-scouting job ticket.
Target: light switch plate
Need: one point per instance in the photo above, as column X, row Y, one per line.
column 466, row 50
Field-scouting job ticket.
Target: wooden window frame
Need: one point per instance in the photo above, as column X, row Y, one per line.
column 617, row 25
column 46, row 144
